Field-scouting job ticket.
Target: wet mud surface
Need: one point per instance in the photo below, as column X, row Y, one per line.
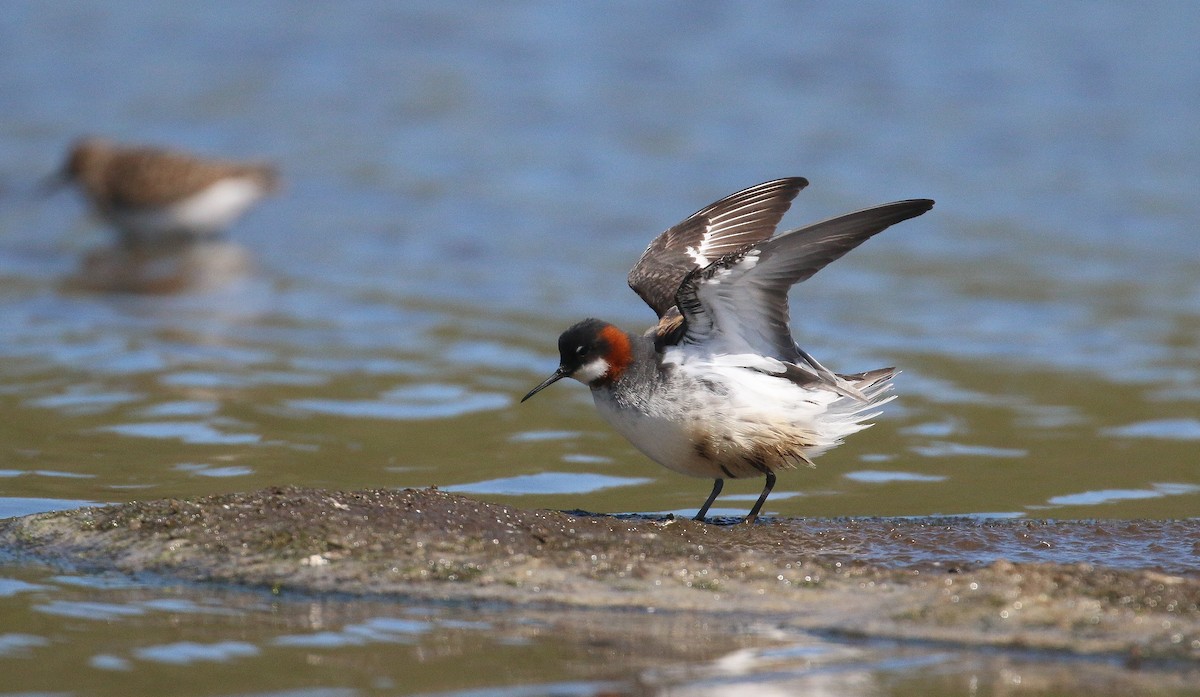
column 1125, row 588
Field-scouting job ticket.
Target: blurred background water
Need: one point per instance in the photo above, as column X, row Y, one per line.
column 466, row 180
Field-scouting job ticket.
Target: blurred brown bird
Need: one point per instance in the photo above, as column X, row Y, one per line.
column 154, row 196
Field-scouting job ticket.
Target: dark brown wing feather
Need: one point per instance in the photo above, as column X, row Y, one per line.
column 741, row 302
column 731, row 224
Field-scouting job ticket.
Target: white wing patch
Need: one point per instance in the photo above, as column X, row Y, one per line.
column 702, row 254
column 697, row 256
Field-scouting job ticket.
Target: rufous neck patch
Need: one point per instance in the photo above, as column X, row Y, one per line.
column 620, row 351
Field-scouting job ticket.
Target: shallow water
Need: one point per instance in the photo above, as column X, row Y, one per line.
column 464, row 182
column 129, row 636
column 102, row 635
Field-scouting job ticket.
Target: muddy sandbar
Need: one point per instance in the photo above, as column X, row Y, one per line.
column 1076, row 586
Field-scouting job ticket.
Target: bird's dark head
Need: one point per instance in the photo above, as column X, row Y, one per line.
column 592, row 352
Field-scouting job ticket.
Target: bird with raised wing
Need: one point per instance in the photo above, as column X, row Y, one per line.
column 719, row 388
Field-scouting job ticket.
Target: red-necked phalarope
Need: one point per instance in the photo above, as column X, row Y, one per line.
column 719, row 388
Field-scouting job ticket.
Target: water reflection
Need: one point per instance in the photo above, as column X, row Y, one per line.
column 385, row 630
column 249, row 643
column 12, row 586
column 201, row 470
column 1093, row 498
column 545, row 483
column 1171, row 429
column 429, row 401
column 881, row 477
column 192, row 432
column 16, row 645
column 948, row 449
column 189, row 652
column 198, row 267
column 14, row 506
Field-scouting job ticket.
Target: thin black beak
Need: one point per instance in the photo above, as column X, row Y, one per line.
column 558, row 375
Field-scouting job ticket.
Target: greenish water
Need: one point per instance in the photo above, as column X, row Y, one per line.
column 122, row 636
column 464, row 182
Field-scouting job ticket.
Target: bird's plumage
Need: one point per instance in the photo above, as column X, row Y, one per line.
column 719, row 388
column 731, row 224
column 739, row 303
column 153, row 194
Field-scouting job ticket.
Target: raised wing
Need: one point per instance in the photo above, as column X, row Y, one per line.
column 738, row 304
column 727, row 226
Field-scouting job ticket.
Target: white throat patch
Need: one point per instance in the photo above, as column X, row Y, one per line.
column 591, row 371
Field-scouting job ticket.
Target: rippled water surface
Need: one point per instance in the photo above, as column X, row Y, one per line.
column 464, row 181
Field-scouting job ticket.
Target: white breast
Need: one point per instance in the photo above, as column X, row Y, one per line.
column 714, row 416
column 666, row 440
column 209, row 211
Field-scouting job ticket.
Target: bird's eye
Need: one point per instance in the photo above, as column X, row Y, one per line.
column 581, row 351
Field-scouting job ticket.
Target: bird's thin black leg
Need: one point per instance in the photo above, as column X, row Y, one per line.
column 762, row 498
column 718, row 484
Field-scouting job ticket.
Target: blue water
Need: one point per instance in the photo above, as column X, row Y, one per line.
column 465, row 180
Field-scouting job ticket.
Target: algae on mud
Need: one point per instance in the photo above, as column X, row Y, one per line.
column 843, row 577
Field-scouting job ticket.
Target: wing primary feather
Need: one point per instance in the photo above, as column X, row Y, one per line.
column 798, row 254
column 739, row 302
column 736, row 221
